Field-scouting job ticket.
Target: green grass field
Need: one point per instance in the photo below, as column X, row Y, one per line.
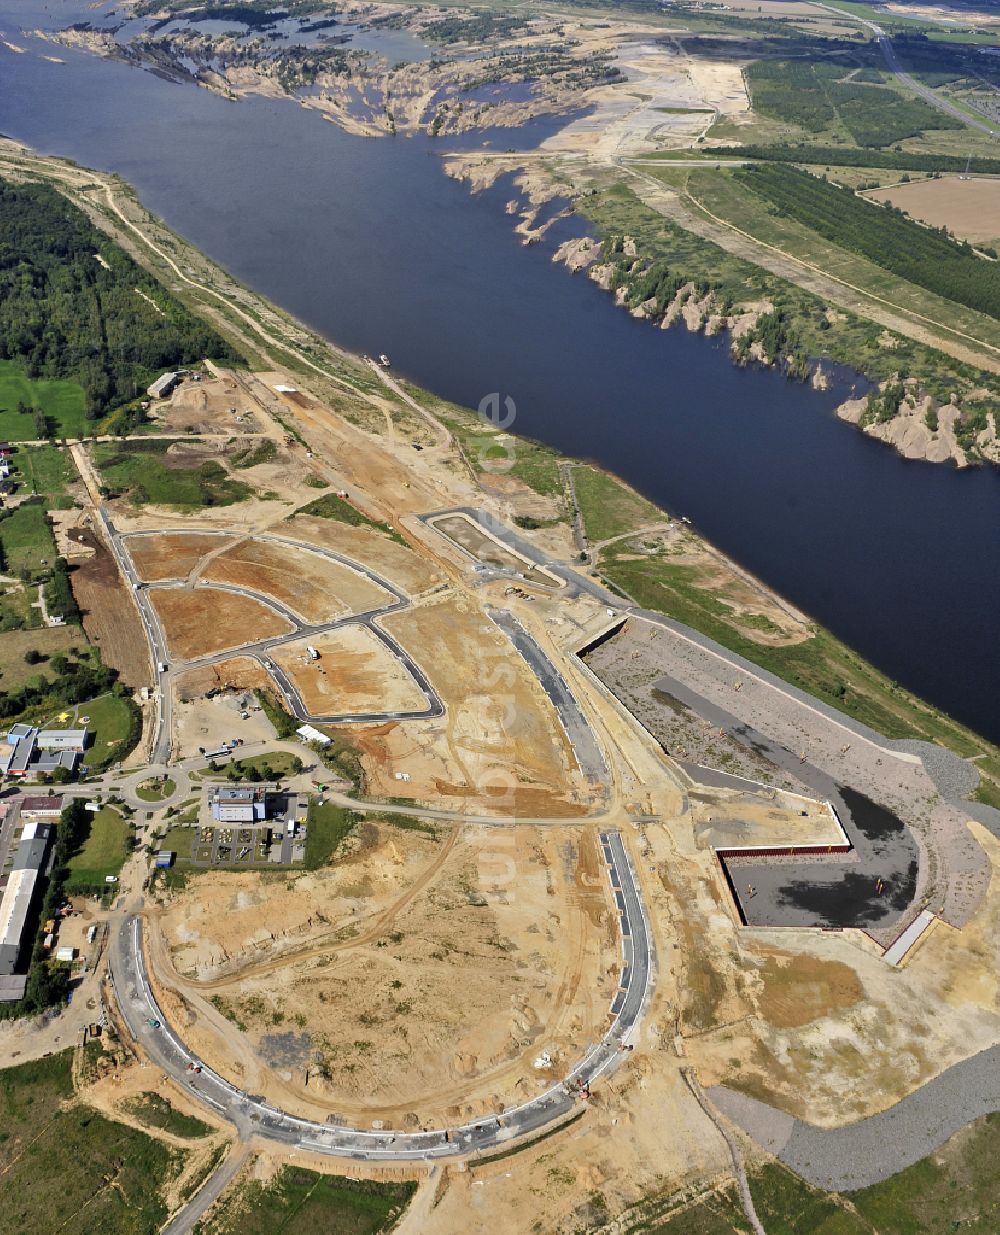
column 63, row 401
column 26, row 538
column 143, row 476
column 300, row 1202
column 267, row 767
column 103, row 852
column 69, row 1168
column 608, row 507
column 47, row 470
column 111, row 720
column 327, row 827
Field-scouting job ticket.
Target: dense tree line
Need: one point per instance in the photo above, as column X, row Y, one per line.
column 927, row 256
column 74, row 682
column 846, row 156
column 65, row 314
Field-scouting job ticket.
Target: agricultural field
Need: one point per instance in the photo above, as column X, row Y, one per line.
column 52, row 407
column 300, row 1202
column 969, row 209
column 103, row 853
column 108, row 611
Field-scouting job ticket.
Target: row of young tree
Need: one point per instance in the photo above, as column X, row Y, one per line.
column 927, row 256
column 106, row 324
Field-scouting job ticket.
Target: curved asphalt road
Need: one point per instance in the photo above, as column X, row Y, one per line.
column 253, row 1116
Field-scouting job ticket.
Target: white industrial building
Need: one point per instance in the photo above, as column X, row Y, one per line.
column 16, row 906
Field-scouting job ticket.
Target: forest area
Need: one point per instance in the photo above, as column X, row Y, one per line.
column 74, row 306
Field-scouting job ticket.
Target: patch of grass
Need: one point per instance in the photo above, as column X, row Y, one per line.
column 141, row 474
column 102, row 853
column 15, row 672
column 156, row 1112
column 953, row 1190
column 987, row 792
column 47, row 470
column 787, row 1205
column 328, row 826
column 300, row 1202
column 255, row 453
column 116, row 723
column 272, row 766
column 283, row 721
column 69, row 1167
column 329, row 506
column 608, row 507
column 26, row 540
column 155, row 790
column 62, row 402
column 821, row 665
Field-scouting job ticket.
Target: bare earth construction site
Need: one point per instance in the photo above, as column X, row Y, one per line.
column 485, row 832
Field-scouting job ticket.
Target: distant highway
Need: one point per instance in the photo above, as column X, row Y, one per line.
column 892, row 61
column 252, row 1116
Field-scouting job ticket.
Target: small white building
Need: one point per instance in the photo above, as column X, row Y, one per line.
column 308, row 734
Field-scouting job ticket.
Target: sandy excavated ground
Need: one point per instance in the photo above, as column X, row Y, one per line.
column 819, row 1025
column 236, row 673
column 172, row 555
column 388, row 558
column 628, row 120
column 213, row 406
column 356, row 672
column 509, row 950
column 198, row 722
column 316, row 588
column 501, row 745
column 202, row 621
column 968, row 208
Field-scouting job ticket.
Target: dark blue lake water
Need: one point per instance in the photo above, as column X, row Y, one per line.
column 368, row 242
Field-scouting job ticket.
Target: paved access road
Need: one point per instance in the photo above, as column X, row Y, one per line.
column 254, row 1117
column 581, row 736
